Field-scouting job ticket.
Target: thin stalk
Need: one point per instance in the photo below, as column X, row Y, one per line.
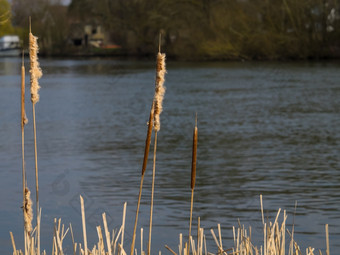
column 123, row 230
column 84, row 224
column 36, row 178
column 191, row 209
column 193, row 176
column 23, row 139
column 107, row 234
column 13, row 243
column 141, row 241
column 36, row 159
column 327, row 240
column 152, row 191
column 36, row 74
column 146, row 155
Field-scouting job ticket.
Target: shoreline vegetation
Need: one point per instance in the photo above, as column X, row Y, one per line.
column 277, row 238
column 192, row 30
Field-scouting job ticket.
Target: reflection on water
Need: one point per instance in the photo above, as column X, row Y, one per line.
column 264, row 128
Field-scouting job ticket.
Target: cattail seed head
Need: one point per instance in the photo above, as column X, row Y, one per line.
column 148, row 139
column 194, row 158
column 159, row 90
column 24, row 119
column 28, row 211
column 35, row 70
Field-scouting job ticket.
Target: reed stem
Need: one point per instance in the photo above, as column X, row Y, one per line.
column 36, row 159
column 23, row 137
column 190, row 222
column 152, row 191
column 83, row 223
column 36, row 74
column 327, row 240
column 36, row 178
column 145, row 160
column 193, row 175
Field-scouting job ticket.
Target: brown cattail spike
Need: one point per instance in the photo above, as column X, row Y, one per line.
column 148, row 139
column 24, row 119
column 159, row 90
column 194, row 157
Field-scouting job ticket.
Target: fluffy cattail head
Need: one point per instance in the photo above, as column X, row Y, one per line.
column 28, row 211
column 35, row 70
column 159, row 90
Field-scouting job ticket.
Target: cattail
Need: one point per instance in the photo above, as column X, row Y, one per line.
column 194, row 158
column 28, row 211
column 35, row 70
column 193, row 177
column 145, row 161
column 159, row 90
column 148, row 139
column 24, row 119
column 158, row 107
column 36, row 74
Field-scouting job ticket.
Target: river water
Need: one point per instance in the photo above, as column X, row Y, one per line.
column 263, row 128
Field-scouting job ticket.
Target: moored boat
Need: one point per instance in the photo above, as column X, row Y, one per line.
column 9, row 46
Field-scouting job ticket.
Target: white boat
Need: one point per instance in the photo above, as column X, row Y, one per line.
column 9, row 46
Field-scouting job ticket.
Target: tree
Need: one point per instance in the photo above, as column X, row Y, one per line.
column 5, row 18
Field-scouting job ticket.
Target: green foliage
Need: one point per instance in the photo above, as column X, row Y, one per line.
column 194, row 29
column 5, row 18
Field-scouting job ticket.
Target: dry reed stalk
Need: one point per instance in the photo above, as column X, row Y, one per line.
column 171, row 250
column 107, row 234
column 158, row 108
column 180, row 246
column 192, row 244
column 74, row 245
column 83, row 223
column 220, row 235
column 152, row 192
column 58, row 237
column 262, row 209
column 13, row 243
column 198, row 230
column 123, row 229
column 141, row 241
column 36, row 74
column 291, row 245
column 327, row 240
column 193, row 175
column 145, row 160
column 101, row 248
column 283, row 231
column 116, row 240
